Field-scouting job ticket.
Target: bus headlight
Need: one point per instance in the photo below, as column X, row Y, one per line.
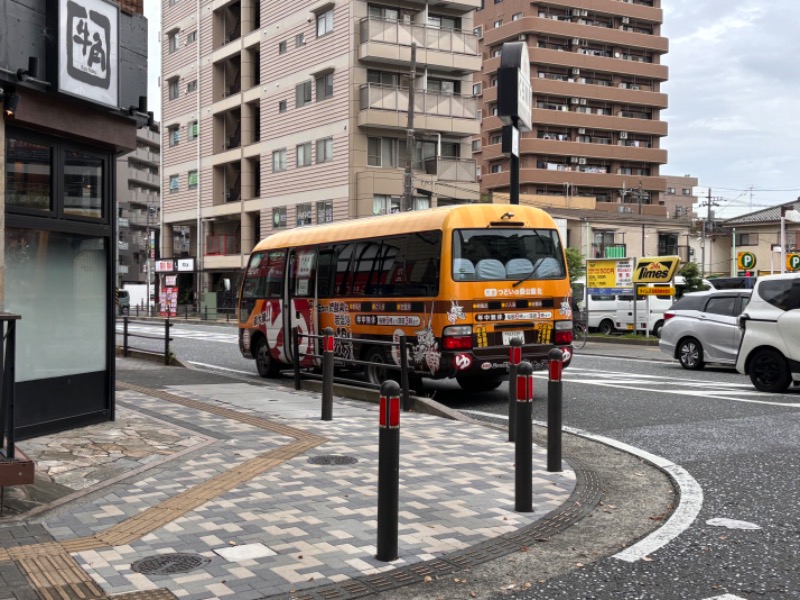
column 457, row 337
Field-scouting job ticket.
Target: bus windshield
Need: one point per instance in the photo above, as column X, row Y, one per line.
column 507, row 254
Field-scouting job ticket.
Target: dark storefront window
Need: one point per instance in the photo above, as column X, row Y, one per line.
column 83, row 185
column 28, row 171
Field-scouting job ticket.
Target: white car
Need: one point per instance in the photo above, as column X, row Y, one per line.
column 770, row 349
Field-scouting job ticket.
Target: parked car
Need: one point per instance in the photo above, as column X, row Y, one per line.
column 124, row 301
column 770, row 348
column 702, row 328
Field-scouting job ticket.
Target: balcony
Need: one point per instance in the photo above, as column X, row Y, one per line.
column 454, row 4
column 451, row 169
column 222, row 245
column 386, row 106
column 609, row 250
column 390, row 42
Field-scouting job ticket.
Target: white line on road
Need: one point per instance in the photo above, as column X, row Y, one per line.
column 690, row 497
column 218, row 368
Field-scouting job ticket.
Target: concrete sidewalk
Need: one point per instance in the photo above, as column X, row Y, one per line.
column 207, row 487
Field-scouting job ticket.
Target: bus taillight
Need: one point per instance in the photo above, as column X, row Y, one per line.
column 563, row 333
column 457, row 338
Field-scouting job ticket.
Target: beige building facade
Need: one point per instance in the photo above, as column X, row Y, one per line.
column 279, row 115
column 596, row 75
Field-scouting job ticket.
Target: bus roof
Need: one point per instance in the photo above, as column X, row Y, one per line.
column 455, row 217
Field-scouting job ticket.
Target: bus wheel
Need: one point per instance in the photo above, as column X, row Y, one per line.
column 478, row 384
column 266, row 365
column 606, row 327
column 375, row 373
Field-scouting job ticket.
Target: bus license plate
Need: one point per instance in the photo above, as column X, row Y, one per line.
column 510, row 335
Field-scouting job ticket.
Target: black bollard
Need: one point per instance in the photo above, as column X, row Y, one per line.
column 554, row 402
column 125, row 335
column 523, row 448
column 327, row 374
column 296, row 353
column 166, row 341
column 388, row 471
column 514, row 358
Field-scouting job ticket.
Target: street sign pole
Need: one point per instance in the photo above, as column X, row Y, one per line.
column 514, row 96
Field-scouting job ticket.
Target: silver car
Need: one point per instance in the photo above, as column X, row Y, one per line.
column 702, row 328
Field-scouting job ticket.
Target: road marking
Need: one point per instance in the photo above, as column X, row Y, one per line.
column 726, row 597
column 218, row 368
column 690, row 497
column 224, row 338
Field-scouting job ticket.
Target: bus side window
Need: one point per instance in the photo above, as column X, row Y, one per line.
column 343, row 279
column 326, row 273
column 274, row 283
column 255, row 280
column 422, row 263
column 388, row 276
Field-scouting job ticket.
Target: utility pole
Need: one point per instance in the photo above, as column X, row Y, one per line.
column 408, row 185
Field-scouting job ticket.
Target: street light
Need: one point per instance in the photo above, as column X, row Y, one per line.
column 151, row 210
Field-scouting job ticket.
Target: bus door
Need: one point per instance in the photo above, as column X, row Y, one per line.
column 300, row 306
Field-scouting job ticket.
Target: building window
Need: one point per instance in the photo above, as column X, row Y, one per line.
column 191, row 38
column 325, row 211
column 478, row 31
column 443, row 22
column 279, row 217
column 304, row 154
column 384, row 205
column 324, row 150
column 476, row 89
column 476, row 145
column 302, row 94
column 498, row 23
column 174, row 42
column 282, row 106
column 671, row 191
column 191, row 86
column 304, row 214
column 299, row 40
column 747, row 239
column 516, row 16
column 193, row 179
column 325, row 23
column 282, row 47
column 324, row 86
column 173, row 88
column 193, row 130
column 279, row 160
column 386, row 152
column 174, row 135
column 496, row 139
column 686, row 192
column 174, row 183
column 498, row 168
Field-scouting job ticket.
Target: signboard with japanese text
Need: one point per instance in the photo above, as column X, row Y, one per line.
column 169, row 302
column 514, row 86
column 609, row 276
column 655, row 269
column 165, row 266
column 185, row 265
column 656, row 290
column 88, row 44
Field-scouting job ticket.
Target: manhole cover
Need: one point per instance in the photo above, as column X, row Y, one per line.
column 164, row 564
column 332, row 459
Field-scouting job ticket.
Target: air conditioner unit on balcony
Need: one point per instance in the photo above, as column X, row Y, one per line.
column 581, row 131
column 576, row 71
column 584, row 13
column 623, row 135
column 581, row 161
column 617, row 55
column 633, row 87
column 626, row 20
column 576, row 12
column 576, row 41
column 573, row 159
column 574, row 100
column 583, row 101
column 623, row 86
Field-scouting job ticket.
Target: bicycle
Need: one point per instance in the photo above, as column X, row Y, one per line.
column 579, row 335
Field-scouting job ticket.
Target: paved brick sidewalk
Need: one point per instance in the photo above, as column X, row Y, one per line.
column 253, row 515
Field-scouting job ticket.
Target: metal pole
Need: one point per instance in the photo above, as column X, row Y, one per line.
column 404, row 372
column 388, row 471
column 554, row 404
column 296, row 352
column 166, row 341
column 513, row 196
column 10, row 385
column 523, row 448
column 408, row 184
column 327, row 375
column 125, row 336
column 783, row 240
column 514, row 358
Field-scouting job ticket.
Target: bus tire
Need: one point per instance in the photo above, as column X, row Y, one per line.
column 374, row 373
column 266, row 365
column 606, row 327
column 479, row 384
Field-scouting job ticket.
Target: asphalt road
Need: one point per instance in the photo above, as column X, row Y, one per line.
column 739, row 445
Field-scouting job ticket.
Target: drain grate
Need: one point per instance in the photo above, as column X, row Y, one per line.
column 333, row 459
column 166, row 564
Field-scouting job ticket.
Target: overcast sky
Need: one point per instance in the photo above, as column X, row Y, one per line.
column 734, row 86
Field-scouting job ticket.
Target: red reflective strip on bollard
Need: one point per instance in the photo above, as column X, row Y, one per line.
column 515, row 355
column 524, row 388
column 394, row 412
column 383, row 411
column 328, row 343
column 555, row 368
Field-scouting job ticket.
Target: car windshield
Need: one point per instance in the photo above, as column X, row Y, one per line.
column 507, row 254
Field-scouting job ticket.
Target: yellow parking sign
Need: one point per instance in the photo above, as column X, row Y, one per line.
column 793, row 262
column 746, row 260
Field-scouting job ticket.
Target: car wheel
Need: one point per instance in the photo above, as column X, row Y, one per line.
column 657, row 328
column 375, row 373
column 478, row 384
column 266, row 365
column 690, row 354
column 769, row 371
column 606, row 327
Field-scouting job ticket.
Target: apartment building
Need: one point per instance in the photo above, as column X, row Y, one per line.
column 596, row 79
column 284, row 114
column 138, row 205
column 679, row 199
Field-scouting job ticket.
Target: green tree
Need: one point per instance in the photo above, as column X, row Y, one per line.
column 575, row 264
column 694, row 282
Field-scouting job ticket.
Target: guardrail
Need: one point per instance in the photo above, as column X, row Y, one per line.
column 126, row 347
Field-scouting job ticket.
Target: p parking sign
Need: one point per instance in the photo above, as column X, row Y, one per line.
column 746, row 260
column 793, row 262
